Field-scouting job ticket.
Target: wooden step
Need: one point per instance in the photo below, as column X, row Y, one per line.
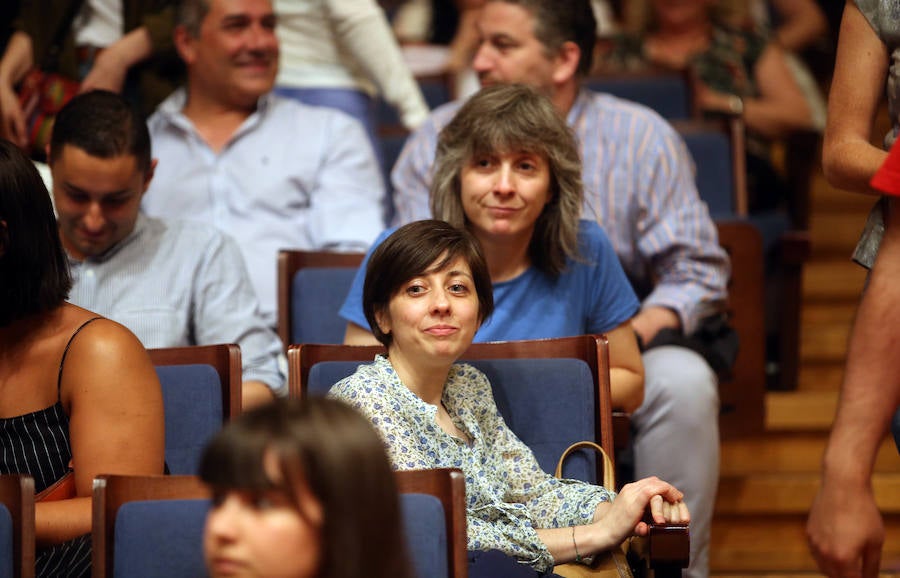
column 780, row 493
column 800, row 410
column 832, row 279
column 825, row 329
column 777, row 544
column 835, row 234
column 820, row 375
column 789, row 453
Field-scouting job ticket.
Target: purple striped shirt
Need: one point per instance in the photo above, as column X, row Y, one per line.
column 639, row 185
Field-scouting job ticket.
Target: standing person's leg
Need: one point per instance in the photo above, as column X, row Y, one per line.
column 677, row 437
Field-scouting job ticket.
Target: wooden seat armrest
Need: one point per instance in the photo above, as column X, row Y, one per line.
column 665, row 550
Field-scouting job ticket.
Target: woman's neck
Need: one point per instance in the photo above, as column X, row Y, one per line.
column 426, row 381
column 507, row 258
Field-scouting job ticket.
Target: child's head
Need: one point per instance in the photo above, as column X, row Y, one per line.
column 302, row 489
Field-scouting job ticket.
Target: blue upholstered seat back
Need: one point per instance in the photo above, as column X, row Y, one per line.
column 667, row 94
column 317, row 294
column 711, row 151
column 192, row 398
column 426, row 534
column 548, row 403
column 7, row 543
column 160, row 538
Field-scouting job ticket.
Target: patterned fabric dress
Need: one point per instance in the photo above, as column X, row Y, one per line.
column 37, row 443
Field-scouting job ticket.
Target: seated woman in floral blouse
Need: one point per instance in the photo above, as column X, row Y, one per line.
column 427, row 290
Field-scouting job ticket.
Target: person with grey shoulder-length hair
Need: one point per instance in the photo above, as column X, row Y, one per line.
column 508, row 171
column 514, row 112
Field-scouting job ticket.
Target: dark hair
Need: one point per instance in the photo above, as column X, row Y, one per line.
column 412, row 250
column 560, row 21
column 104, row 125
column 337, row 453
column 514, row 117
column 34, row 269
column 191, row 14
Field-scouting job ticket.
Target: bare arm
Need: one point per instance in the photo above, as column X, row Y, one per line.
column 356, row 335
column 614, row 521
column 114, row 402
column 845, row 529
column 626, row 371
column 254, row 394
column 112, row 64
column 802, row 23
column 848, row 158
column 17, row 61
column 780, row 106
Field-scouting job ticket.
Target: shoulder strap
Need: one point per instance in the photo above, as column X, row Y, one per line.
column 66, row 352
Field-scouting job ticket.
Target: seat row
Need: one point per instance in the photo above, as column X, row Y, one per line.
column 541, row 388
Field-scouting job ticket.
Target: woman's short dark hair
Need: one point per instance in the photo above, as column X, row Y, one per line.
column 412, row 250
column 515, row 118
column 338, row 455
column 34, row 269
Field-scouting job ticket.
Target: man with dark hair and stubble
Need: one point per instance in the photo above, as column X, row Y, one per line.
column 171, row 283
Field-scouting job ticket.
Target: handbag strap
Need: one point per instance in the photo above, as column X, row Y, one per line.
column 51, row 59
column 609, row 472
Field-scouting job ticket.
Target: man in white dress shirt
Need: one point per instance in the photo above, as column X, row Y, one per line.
column 271, row 172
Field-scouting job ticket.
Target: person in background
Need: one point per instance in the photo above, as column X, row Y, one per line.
column 271, row 172
column 515, row 184
column 427, row 291
column 738, row 71
column 172, row 283
column 118, row 45
column 302, row 490
column 79, row 391
column 341, row 54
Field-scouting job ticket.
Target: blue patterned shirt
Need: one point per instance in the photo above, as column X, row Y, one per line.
column 508, row 495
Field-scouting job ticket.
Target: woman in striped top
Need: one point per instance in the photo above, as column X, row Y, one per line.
column 76, row 390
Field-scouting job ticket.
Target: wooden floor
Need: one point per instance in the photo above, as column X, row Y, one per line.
column 767, row 483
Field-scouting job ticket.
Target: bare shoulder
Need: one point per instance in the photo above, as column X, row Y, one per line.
column 103, row 355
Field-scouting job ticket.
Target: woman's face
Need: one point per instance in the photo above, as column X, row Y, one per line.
column 503, row 194
column 263, row 534
column 677, row 13
column 434, row 315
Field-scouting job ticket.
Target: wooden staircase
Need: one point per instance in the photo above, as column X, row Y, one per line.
column 768, row 482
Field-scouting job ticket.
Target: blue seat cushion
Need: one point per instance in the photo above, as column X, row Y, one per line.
column 192, row 399
column 160, row 538
column 7, row 543
column 425, row 530
column 317, row 294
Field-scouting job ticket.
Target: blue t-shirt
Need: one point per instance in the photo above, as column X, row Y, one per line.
column 592, row 295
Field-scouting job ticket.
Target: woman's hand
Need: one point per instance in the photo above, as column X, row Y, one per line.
column 625, row 514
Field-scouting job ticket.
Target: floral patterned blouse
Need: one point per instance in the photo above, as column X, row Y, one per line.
column 508, row 495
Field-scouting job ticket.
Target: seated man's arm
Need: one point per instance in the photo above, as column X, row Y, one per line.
column 678, row 239
column 348, row 202
column 226, row 310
